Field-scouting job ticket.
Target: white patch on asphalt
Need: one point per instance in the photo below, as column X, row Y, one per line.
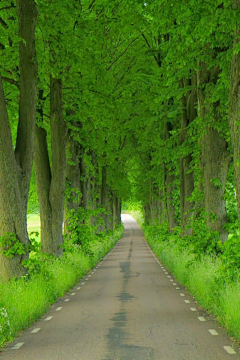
column 168, row 276
column 89, row 275
column 59, row 308
column 66, row 300
column 201, row 318
column 174, row 284
column 187, row 301
column 49, row 317
column 34, row 331
column 79, row 288
column 73, row 294
column 181, row 294
column 213, row 332
column 17, row 346
column 172, row 280
column 229, row 350
column 177, row 288
column 193, row 309
column 82, row 283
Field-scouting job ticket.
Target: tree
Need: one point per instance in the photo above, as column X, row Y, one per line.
column 16, row 164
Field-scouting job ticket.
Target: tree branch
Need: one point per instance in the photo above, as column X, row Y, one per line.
column 11, row 81
column 8, row 7
column 120, row 55
column 91, row 5
column 2, row 22
column 155, row 57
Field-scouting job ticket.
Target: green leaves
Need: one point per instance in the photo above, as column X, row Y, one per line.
column 11, row 246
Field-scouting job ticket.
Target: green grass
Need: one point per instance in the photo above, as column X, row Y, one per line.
column 33, row 227
column 33, row 222
column 26, row 299
column 204, row 279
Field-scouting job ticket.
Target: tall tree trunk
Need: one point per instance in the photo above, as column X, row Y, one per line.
column 104, row 194
column 109, row 216
column 171, row 212
column 73, row 178
column 117, row 211
column 234, row 111
column 215, row 163
column 58, row 145
column 189, row 113
column 169, row 189
column 84, row 181
column 215, row 158
column 51, row 182
column 12, row 209
column 15, row 171
column 43, row 181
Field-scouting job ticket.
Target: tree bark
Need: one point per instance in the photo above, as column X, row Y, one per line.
column 215, row 163
column 51, row 182
column 12, row 214
column 73, row 178
column 215, row 158
column 58, row 145
column 189, row 113
column 234, row 112
column 169, row 188
column 171, row 212
column 84, row 181
column 15, row 171
column 43, row 181
column 27, row 19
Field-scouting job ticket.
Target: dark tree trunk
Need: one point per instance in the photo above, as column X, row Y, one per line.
column 215, row 163
column 15, row 171
column 58, row 145
column 189, row 113
column 171, row 212
column 12, row 209
column 215, row 158
column 43, row 181
column 51, row 182
column 169, row 190
column 109, row 216
column 234, row 111
column 104, row 195
column 73, row 177
column 84, row 181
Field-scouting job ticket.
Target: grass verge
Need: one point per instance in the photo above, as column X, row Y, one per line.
column 24, row 300
column 203, row 277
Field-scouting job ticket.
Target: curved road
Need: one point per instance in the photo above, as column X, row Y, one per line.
column 127, row 308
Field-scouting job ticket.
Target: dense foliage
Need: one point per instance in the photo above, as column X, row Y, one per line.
column 131, row 101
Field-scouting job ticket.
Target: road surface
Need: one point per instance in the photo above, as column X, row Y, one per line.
column 127, row 308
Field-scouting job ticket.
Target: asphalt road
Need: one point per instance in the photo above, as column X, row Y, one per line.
column 127, row 308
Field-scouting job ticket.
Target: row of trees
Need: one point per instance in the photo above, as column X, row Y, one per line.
column 108, row 97
column 193, row 165
column 62, row 104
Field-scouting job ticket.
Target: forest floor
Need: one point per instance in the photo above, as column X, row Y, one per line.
column 129, row 307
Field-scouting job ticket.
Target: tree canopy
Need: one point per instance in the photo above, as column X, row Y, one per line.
column 114, row 101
